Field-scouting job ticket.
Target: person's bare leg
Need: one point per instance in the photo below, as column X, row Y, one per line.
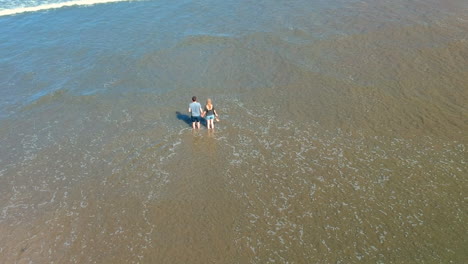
column 193, row 125
column 198, row 125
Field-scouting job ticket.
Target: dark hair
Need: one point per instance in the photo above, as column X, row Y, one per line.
column 194, row 98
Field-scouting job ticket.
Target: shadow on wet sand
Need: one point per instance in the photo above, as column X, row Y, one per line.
column 188, row 120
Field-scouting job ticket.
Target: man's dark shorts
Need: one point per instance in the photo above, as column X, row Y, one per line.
column 196, row 119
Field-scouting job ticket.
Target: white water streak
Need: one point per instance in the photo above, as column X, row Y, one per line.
column 18, row 10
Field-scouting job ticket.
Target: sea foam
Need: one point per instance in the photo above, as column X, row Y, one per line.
column 23, row 9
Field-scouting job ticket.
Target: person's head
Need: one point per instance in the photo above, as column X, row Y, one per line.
column 194, row 98
column 208, row 103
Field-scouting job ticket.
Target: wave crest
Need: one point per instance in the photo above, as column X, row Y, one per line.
column 18, row 10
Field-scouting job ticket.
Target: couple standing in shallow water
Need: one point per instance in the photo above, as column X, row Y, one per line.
column 197, row 113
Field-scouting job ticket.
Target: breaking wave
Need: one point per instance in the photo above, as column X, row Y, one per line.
column 17, row 8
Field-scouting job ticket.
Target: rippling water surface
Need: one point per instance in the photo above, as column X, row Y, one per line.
column 342, row 133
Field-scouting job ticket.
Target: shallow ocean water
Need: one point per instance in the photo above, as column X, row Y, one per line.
column 342, row 136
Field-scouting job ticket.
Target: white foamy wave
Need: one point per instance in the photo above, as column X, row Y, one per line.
column 21, row 8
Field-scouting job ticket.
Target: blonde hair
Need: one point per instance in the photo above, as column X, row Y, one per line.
column 209, row 105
